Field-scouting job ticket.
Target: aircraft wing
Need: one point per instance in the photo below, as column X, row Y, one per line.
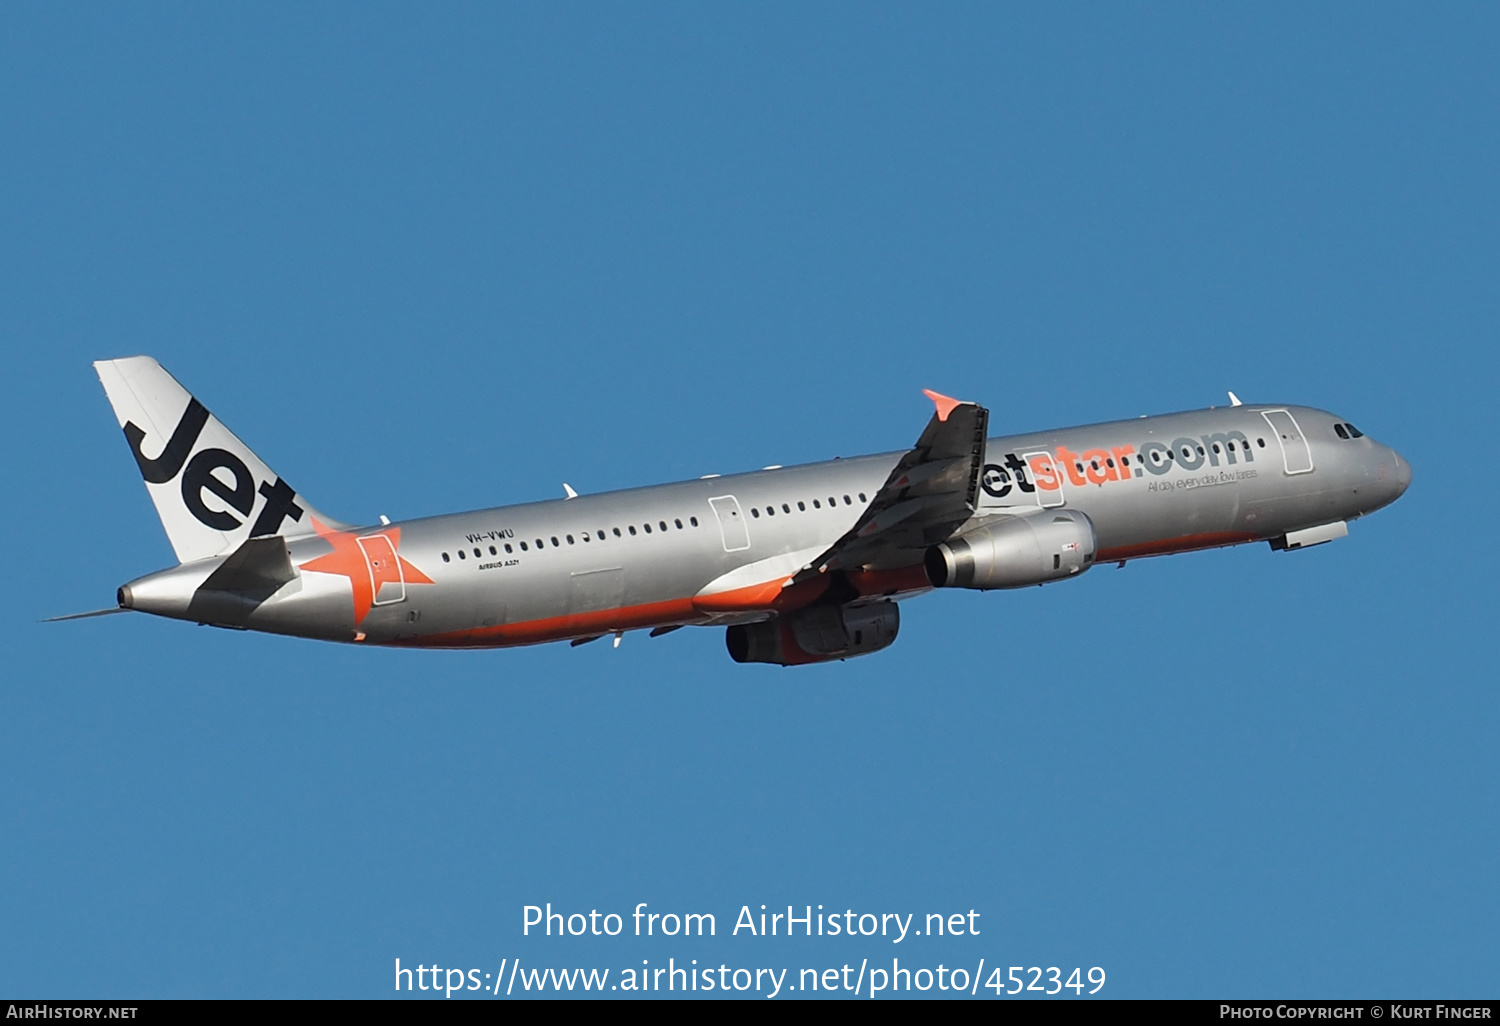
column 932, row 490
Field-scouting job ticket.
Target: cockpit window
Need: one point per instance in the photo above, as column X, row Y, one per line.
column 1356, row 432
column 1338, row 429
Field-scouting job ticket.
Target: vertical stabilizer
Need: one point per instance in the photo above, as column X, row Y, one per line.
column 210, row 490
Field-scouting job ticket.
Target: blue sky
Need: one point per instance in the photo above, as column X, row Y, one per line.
column 435, row 259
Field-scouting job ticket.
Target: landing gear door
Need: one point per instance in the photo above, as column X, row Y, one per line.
column 732, row 526
column 387, row 584
column 1294, row 448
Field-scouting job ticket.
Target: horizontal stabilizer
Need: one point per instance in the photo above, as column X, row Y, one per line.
column 85, row 616
column 257, row 568
column 252, row 573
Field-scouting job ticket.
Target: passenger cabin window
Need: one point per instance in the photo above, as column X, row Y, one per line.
column 570, row 539
column 693, row 521
column 493, row 552
column 446, row 559
column 508, row 548
column 755, row 512
column 617, row 532
column 461, row 554
column 647, row 527
column 862, row 497
column 847, row 501
column 523, row 547
column 770, row 511
column 477, row 553
column 678, row 523
column 785, row 508
column 817, row 504
column 631, row 529
column 663, row 524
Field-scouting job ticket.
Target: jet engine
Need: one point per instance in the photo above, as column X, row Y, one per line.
column 1015, row 552
column 816, row 634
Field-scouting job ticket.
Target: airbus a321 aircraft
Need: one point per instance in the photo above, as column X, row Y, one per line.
column 801, row 564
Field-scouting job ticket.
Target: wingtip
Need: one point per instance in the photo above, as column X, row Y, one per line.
column 945, row 404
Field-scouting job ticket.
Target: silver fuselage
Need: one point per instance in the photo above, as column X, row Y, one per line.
column 707, row 551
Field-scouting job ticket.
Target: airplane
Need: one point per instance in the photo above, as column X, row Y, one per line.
column 801, row 564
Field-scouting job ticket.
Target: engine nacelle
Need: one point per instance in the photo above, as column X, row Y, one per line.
column 816, row 634
column 1015, row 552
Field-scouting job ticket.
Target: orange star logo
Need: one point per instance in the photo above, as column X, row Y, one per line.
column 370, row 561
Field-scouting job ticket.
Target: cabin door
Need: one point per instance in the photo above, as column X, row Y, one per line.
column 1043, row 468
column 387, row 584
column 1294, row 448
column 731, row 523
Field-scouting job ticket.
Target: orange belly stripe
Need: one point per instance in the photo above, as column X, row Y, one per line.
column 769, row 596
column 1168, row 546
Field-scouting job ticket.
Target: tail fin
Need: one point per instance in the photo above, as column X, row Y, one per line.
column 210, row 490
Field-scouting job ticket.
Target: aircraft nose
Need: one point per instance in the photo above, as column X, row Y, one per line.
column 1402, row 477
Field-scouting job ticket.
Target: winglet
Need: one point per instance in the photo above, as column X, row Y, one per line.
column 568, row 489
column 1234, row 400
column 944, row 404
